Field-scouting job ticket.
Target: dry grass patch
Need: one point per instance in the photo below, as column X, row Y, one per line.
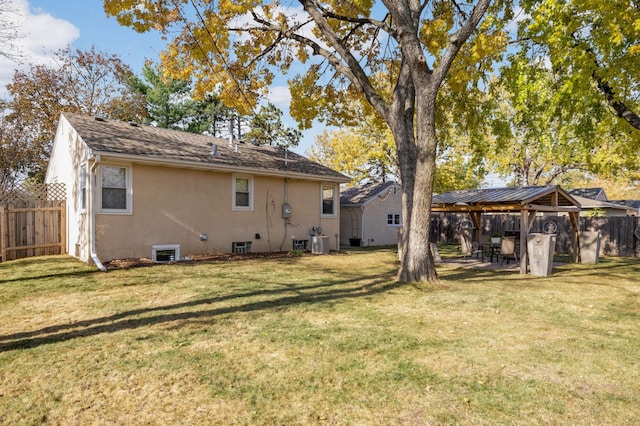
column 315, row 340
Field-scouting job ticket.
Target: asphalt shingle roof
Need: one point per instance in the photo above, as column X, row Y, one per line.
column 592, row 193
column 158, row 144
column 360, row 194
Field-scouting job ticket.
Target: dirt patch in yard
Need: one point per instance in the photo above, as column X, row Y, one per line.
column 216, row 257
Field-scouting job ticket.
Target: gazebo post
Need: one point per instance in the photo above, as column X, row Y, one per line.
column 476, row 218
column 574, row 217
column 524, row 232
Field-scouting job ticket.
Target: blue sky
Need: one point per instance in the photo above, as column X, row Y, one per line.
column 49, row 25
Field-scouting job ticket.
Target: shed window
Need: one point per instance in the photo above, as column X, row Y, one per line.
column 393, row 219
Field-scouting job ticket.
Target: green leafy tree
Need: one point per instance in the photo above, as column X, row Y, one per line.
column 167, row 100
column 594, row 44
column 267, row 128
column 538, row 135
column 239, row 45
column 359, row 153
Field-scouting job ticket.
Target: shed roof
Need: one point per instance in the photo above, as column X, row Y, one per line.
column 359, row 195
column 549, row 198
column 158, row 145
column 593, row 193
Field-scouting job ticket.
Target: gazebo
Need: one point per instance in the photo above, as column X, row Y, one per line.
column 528, row 201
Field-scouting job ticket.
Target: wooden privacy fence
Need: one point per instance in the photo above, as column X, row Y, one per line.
column 32, row 222
column 620, row 235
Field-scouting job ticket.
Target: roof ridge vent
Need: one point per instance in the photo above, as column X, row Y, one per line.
column 100, row 117
column 133, row 123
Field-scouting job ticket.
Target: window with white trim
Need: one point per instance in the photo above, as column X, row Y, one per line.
column 242, row 193
column 115, row 189
column 328, row 200
column 393, row 219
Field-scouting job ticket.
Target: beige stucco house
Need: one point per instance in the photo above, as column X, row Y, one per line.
column 141, row 191
column 370, row 214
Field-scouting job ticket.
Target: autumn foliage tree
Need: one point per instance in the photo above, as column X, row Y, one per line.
column 240, row 45
column 88, row 82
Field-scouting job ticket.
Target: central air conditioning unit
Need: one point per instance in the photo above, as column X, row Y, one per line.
column 320, row 244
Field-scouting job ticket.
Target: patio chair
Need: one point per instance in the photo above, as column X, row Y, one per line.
column 475, row 249
column 508, row 249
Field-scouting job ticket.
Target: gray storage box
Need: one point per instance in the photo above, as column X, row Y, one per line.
column 541, row 248
column 589, row 247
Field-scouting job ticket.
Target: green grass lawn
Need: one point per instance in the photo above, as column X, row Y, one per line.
column 317, row 340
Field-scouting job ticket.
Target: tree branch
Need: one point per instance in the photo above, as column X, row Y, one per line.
column 621, row 109
column 350, row 68
column 458, row 39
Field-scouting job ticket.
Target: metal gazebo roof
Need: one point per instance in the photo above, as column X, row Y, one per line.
column 539, row 198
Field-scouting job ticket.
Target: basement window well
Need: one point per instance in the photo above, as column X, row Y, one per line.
column 300, row 245
column 165, row 253
column 241, row 247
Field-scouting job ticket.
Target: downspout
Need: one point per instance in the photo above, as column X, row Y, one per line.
column 92, row 215
column 362, row 225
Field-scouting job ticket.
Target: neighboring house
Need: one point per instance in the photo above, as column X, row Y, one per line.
column 141, row 191
column 590, row 193
column 594, row 201
column 634, row 206
column 592, row 207
column 370, row 214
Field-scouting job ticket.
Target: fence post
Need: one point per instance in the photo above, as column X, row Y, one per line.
column 63, row 228
column 3, row 235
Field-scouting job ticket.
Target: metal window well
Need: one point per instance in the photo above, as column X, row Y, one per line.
column 541, row 248
column 589, row 247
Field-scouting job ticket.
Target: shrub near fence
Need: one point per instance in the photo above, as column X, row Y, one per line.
column 618, row 233
column 32, row 221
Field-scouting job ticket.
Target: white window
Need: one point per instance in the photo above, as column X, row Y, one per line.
column 165, row 253
column 393, row 219
column 115, row 189
column 242, row 193
column 328, row 200
column 82, row 177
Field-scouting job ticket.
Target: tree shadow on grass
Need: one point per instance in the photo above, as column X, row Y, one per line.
column 287, row 295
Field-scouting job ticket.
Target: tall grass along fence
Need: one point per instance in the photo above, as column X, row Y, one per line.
column 620, row 235
column 32, row 221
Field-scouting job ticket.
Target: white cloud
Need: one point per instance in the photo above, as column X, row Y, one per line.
column 280, row 96
column 41, row 35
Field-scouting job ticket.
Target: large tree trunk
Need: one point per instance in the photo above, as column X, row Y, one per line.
column 418, row 262
column 417, row 166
